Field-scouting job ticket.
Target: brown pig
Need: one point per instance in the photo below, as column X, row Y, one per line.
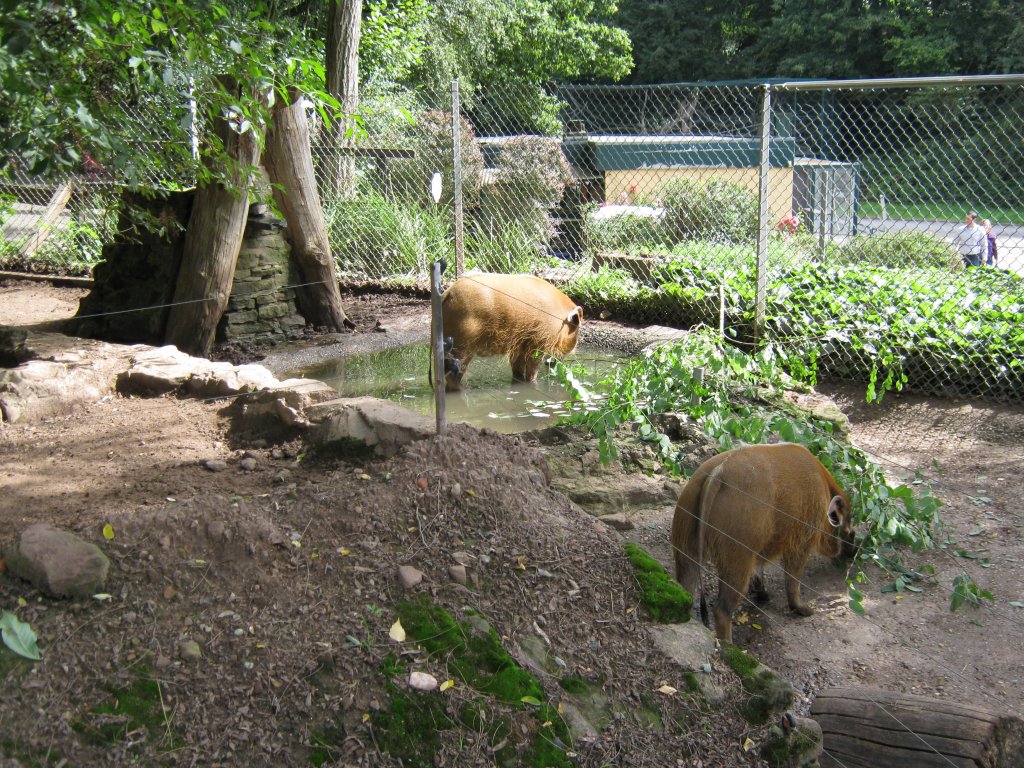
column 753, row 505
column 509, row 315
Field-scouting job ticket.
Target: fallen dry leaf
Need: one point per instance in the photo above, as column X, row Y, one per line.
column 397, row 632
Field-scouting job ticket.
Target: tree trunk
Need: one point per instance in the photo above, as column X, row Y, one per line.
column 343, row 31
column 289, row 165
column 214, row 237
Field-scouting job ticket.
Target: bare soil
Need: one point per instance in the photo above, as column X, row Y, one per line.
column 286, row 577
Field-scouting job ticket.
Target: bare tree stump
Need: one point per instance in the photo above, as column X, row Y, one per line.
column 867, row 728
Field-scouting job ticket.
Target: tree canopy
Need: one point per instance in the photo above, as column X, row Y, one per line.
column 681, row 41
column 67, row 71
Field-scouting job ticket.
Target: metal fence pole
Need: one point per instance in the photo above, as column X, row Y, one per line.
column 437, row 347
column 460, row 256
column 763, row 223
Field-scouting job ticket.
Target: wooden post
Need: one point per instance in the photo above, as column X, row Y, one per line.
column 437, row 347
column 58, row 202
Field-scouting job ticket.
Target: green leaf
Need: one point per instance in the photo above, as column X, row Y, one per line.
column 531, row 700
column 18, row 636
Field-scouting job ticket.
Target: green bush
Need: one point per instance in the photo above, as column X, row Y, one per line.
column 628, row 233
column 717, row 210
column 899, row 249
column 529, row 178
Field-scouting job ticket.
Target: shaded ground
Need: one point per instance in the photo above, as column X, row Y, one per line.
column 286, row 577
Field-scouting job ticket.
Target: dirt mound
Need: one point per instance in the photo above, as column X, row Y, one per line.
column 249, row 618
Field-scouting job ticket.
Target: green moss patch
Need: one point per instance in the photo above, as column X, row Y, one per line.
column 327, row 743
column 768, row 693
column 667, row 602
column 139, row 707
column 574, row 684
column 472, row 653
column 410, row 729
column 29, row 757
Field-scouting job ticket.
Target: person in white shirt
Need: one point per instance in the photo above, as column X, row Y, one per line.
column 971, row 241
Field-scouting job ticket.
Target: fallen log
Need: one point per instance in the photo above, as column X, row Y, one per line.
column 867, row 728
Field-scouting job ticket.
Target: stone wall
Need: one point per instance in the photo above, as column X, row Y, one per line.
column 262, row 304
column 134, row 284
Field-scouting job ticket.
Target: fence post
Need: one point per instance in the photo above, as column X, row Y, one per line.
column 460, row 256
column 437, row 347
column 763, row 223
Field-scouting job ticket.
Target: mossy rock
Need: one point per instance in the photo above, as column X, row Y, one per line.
column 666, row 601
column 795, row 743
column 769, row 694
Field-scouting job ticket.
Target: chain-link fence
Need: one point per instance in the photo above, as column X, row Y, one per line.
column 827, row 218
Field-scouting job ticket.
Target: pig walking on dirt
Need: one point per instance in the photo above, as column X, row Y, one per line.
column 753, row 505
column 510, row 315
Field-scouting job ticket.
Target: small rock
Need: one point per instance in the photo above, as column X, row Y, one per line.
column 215, row 530
column 458, row 573
column 215, row 465
column 478, row 625
column 409, row 576
column 422, row 681
column 248, row 463
column 162, row 662
column 463, row 558
column 190, row 650
column 618, row 521
column 456, row 490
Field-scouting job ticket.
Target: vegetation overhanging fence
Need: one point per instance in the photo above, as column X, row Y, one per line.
column 824, row 218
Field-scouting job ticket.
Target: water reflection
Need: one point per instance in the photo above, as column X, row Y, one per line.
column 490, row 398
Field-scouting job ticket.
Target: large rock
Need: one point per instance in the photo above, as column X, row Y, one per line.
column 691, row 645
column 58, row 562
column 379, row 424
column 157, row 370
column 287, row 402
column 63, row 373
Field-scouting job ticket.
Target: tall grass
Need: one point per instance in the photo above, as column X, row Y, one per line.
column 373, row 234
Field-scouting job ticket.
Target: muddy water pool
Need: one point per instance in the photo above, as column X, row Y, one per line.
column 489, row 398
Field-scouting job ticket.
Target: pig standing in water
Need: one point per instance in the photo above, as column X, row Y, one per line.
column 509, row 315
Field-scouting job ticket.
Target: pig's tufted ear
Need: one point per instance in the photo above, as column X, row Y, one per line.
column 574, row 317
